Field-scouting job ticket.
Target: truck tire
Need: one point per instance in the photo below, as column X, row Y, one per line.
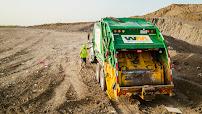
column 97, row 74
column 102, row 80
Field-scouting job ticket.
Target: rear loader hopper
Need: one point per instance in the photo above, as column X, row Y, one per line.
column 132, row 58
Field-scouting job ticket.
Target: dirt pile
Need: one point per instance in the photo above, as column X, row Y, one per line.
column 181, row 21
column 189, row 12
column 190, row 32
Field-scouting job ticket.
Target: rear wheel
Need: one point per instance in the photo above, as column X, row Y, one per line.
column 102, row 80
column 97, row 75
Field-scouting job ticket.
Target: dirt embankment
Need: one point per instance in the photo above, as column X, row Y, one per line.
column 186, row 12
column 181, row 21
column 190, row 32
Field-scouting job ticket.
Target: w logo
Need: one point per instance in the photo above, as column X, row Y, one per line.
column 136, row 39
column 130, row 38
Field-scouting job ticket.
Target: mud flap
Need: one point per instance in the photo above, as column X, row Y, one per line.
column 147, row 96
column 97, row 74
column 102, row 80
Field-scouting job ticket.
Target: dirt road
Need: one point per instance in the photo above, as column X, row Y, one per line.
column 40, row 73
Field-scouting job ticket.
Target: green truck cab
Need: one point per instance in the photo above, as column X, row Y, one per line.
column 132, row 58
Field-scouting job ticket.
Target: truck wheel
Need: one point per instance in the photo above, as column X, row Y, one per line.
column 102, row 80
column 97, row 75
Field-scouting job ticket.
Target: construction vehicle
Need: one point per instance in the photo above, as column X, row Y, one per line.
column 132, row 58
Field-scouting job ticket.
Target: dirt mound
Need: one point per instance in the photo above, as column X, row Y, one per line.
column 181, row 21
column 190, row 12
column 186, row 31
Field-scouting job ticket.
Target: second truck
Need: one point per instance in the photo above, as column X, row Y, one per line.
column 132, row 58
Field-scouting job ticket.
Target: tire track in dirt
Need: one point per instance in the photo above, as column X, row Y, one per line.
column 11, row 68
column 22, row 88
column 71, row 80
column 29, row 90
column 98, row 101
column 21, row 50
column 199, row 86
column 125, row 105
column 57, row 88
column 60, row 94
column 9, row 64
column 18, row 43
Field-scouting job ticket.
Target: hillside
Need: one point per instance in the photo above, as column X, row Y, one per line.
column 181, row 21
column 66, row 27
column 189, row 12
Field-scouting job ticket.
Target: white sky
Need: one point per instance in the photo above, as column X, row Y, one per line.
column 31, row 12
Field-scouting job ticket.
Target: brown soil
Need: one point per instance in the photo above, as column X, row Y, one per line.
column 187, row 12
column 40, row 73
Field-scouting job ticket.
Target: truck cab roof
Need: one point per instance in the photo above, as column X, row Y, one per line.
column 127, row 23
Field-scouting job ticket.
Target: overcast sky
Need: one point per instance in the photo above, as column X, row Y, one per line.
column 30, row 12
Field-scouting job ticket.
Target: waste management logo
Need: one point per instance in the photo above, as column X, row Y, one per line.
column 136, row 39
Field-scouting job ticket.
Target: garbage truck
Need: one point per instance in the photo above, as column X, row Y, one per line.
column 132, row 58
